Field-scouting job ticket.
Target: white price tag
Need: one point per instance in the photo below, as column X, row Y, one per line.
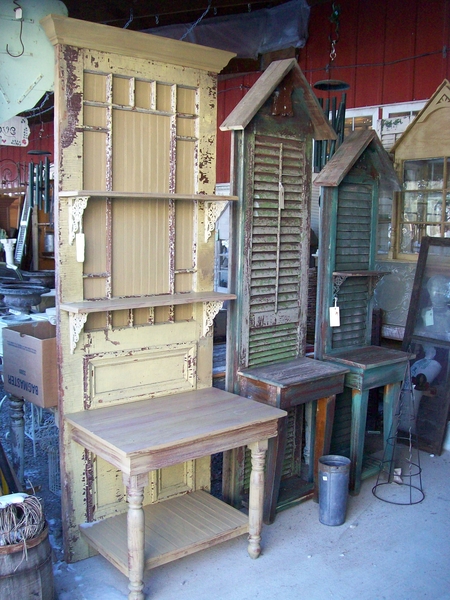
column 335, row 319
column 428, row 317
column 80, row 244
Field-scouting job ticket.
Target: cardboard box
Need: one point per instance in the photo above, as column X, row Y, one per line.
column 29, row 362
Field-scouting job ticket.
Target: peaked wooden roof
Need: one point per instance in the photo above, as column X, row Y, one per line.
column 247, row 108
column 349, row 152
column 439, row 100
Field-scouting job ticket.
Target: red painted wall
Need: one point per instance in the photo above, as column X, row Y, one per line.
column 389, row 51
column 229, row 93
column 41, row 138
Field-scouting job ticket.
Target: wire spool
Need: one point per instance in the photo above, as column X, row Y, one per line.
column 26, row 568
column 21, row 518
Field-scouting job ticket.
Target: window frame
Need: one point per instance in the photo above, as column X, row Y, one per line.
column 399, row 205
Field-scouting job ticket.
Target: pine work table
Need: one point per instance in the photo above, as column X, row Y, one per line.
column 150, row 434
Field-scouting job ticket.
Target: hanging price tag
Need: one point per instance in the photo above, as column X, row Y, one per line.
column 80, row 245
column 428, row 317
column 335, row 319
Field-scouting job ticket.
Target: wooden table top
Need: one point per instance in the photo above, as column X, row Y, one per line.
column 293, row 372
column 367, row 357
column 157, row 432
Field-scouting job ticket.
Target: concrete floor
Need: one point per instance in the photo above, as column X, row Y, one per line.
column 382, row 552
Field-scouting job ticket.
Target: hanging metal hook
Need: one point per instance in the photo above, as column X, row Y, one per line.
column 334, row 19
column 130, row 20
column 18, row 7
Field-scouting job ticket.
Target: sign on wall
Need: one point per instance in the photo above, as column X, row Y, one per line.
column 14, row 132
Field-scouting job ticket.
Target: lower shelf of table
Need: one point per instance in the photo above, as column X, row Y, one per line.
column 173, row 529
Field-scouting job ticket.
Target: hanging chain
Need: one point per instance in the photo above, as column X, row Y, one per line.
column 334, row 18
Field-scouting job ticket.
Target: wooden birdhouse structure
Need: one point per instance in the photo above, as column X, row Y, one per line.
column 273, row 130
column 350, row 184
column 135, row 124
column 349, row 206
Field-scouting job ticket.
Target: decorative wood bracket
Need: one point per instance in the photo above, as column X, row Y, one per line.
column 338, row 280
column 341, row 276
column 210, row 310
column 76, row 324
column 213, row 210
column 76, row 210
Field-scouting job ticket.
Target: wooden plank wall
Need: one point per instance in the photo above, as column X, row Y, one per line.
column 375, row 55
column 388, row 51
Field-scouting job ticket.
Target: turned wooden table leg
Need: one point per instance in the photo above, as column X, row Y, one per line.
column 256, row 497
column 17, row 416
column 135, row 534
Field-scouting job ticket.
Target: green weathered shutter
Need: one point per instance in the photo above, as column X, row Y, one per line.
column 278, row 227
column 353, row 252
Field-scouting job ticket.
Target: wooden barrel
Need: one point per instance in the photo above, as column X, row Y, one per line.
column 27, row 576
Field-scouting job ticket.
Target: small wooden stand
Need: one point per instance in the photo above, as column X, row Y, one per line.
column 370, row 367
column 285, row 385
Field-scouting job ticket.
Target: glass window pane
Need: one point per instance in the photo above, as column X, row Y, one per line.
column 433, row 230
column 410, row 237
column 434, row 207
column 423, row 174
column 362, row 122
column 411, row 200
column 423, row 206
column 383, row 237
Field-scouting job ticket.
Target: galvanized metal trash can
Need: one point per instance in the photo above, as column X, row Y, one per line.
column 333, row 488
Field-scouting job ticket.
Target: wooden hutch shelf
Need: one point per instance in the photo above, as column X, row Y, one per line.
column 79, row 311
column 145, row 195
column 93, row 306
column 79, row 199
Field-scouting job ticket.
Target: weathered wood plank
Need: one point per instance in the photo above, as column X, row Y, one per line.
column 84, row 34
column 174, row 528
column 92, row 306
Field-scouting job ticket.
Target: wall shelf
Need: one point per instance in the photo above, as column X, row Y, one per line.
column 146, row 195
column 339, row 278
column 93, row 306
column 79, row 311
column 79, row 198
